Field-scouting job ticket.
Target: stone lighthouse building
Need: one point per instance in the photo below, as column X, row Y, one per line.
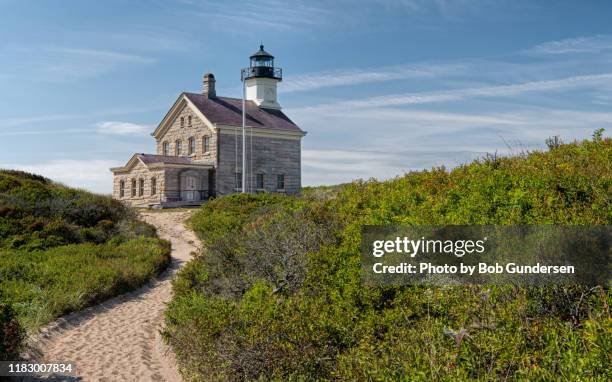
column 199, row 146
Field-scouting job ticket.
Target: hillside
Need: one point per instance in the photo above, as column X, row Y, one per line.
column 276, row 294
column 63, row 249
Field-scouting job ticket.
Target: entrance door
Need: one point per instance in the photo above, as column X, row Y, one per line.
column 190, row 188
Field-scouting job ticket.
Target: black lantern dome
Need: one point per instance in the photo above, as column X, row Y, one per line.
column 262, row 66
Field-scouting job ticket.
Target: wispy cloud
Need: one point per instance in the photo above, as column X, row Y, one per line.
column 44, row 132
column 479, row 92
column 271, row 14
column 6, row 123
column 335, row 166
column 59, row 64
column 591, row 44
column 345, row 77
column 122, row 128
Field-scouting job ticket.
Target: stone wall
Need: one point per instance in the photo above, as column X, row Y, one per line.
column 270, row 156
column 140, row 172
column 197, row 130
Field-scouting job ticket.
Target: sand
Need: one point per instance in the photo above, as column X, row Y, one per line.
column 119, row 339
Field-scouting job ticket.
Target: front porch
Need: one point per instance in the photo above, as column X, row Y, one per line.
column 187, row 186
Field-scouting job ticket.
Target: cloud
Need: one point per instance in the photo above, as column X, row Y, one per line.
column 93, row 175
column 335, row 166
column 43, row 132
column 479, row 92
column 42, row 119
column 346, row 77
column 591, row 44
column 269, row 14
column 122, row 128
column 60, row 64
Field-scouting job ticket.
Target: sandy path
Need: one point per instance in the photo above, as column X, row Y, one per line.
column 119, row 339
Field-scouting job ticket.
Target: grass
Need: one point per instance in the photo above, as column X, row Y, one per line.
column 276, row 293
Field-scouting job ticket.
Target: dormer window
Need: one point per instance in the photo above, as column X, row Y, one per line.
column 191, row 146
column 189, row 121
column 177, row 147
column 165, row 149
column 182, row 121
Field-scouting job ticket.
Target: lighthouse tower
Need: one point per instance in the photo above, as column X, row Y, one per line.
column 261, row 79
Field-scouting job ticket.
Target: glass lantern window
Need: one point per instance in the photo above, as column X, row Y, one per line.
column 262, row 61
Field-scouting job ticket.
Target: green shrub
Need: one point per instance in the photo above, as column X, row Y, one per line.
column 232, row 318
column 11, row 334
column 62, row 250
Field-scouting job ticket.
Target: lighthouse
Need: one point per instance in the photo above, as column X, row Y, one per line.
column 261, row 79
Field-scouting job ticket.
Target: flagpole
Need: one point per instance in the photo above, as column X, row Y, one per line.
column 244, row 177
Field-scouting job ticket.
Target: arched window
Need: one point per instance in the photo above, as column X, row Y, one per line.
column 205, row 144
column 182, row 121
column 177, row 147
column 133, row 188
column 153, row 186
column 191, row 146
column 189, row 121
column 165, row 148
column 140, row 187
column 122, row 188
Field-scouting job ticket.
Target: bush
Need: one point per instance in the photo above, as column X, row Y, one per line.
column 276, row 292
column 63, row 249
column 11, row 334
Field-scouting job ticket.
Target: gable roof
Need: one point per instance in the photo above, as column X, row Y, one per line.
column 155, row 160
column 228, row 111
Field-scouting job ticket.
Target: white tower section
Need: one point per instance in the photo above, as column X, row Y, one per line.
column 263, row 92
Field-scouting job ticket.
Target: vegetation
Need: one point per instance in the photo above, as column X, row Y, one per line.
column 63, row 249
column 276, row 293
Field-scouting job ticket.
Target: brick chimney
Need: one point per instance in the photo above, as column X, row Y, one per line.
column 208, row 85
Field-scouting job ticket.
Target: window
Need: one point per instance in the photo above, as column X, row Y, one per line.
column 191, row 146
column 182, row 121
column 153, row 186
column 205, row 144
column 122, row 188
column 280, row 182
column 165, row 148
column 177, row 147
column 189, row 121
column 238, row 181
column 259, row 182
column 133, row 187
column 140, row 187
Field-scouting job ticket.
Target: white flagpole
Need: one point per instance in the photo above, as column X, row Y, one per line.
column 244, row 177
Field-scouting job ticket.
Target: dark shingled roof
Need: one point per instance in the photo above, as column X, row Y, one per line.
column 228, row 111
column 152, row 158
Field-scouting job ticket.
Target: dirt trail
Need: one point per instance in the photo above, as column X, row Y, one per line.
column 119, row 339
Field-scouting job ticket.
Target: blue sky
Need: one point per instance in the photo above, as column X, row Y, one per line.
column 382, row 87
